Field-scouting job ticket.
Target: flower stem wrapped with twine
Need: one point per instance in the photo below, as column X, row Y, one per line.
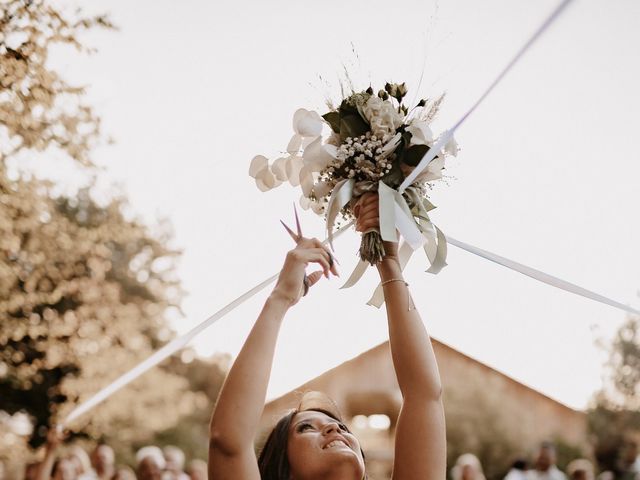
column 371, row 247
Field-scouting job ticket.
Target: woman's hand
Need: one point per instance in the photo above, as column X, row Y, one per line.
column 367, row 215
column 291, row 282
column 55, row 436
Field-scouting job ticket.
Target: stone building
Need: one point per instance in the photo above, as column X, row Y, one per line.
column 488, row 412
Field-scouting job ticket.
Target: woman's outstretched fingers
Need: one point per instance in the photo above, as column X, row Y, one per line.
column 316, row 255
column 330, row 258
column 314, row 277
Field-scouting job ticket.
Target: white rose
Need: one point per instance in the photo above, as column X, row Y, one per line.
column 382, row 116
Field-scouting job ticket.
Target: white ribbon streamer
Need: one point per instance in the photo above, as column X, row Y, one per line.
column 387, row 212
column 342, row 193
column 170, row 348
column 444, row 138
column 541, row 276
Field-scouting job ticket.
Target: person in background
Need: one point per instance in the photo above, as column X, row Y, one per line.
column 64, row 469
column 580, row 469
column 31, row 471
column 150, row 463
column 124, row 472
column 628, row 465
column 518, row 470
column 51, row 466
column 82, row 463
column 197, row 469
column 103, row 461
column 467, row 467
column 545, row 464
column 174, row 458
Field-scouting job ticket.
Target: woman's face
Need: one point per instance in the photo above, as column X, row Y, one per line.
column 320, row 446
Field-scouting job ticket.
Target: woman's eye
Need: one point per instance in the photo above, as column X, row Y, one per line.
column 343, row 427
column 304, row 426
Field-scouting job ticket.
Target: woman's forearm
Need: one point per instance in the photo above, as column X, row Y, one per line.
column 45, row 469
column 411, row 350
column 237, row 413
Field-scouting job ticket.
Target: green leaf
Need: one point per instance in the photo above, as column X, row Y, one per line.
column 333, row 119
column 414, row 154
column 406, row 138
column 352, row 126
column 395, row 176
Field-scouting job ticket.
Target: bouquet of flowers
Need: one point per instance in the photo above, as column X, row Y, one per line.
column 375, row 142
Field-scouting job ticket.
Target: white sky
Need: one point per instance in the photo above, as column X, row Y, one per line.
column 548, row 174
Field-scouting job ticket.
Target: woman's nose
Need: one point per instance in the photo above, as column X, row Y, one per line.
column 330, row 427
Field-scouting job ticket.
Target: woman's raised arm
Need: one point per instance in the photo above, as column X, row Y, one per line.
column 236, row 417
column 420, row 444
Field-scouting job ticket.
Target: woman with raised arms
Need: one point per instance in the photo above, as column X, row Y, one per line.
column 312, row 443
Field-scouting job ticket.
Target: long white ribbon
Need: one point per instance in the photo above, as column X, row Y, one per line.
column 446, row 136
column 170, row 348
column 541, row 276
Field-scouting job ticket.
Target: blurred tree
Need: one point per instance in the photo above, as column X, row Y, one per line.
column 494, row 429
column 624, row 365
column 82, row 296
column 38, row 109
column 615, row 415
column 84, row 290
column 205, row 376
column 483, row 430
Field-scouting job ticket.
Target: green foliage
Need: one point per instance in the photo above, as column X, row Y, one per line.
column 333, row 119
column 625, row 363
column 482, row 431
column 414, row 154
column 191, row 432
column 351, row 124
column 84, row 289
column 566, row 452
column 615, row 415
column 38, row 109
column 82, row 296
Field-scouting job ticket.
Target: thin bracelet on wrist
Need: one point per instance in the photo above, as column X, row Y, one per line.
column 393, row 280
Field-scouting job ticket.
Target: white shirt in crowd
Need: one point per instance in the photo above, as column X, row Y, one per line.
column 553, row 473
column 515, row 474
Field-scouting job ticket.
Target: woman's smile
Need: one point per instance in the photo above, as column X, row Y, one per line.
column 336, row 443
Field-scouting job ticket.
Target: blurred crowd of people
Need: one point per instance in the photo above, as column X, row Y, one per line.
column 168, row 463
column 151, row 463
column 543, row 467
